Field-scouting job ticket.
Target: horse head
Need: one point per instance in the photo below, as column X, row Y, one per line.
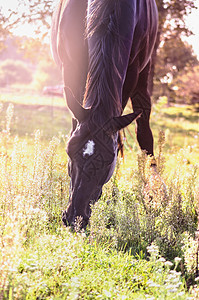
column 92, row 151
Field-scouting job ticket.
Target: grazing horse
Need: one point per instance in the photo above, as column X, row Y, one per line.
column 104, row 49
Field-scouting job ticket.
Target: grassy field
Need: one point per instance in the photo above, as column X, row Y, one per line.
column 141, row 242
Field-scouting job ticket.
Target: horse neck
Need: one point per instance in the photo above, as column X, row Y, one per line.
column 103, row 87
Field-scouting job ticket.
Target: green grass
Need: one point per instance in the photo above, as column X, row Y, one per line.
column 68, row 266
column 50, row 117
column 129, row 250
column 25, row 97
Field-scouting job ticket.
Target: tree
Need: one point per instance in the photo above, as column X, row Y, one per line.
column 12, row 71
column 186, row 86
column 174, row 56
column 172, row 15
column 39, row 13
column 29, row 47
column 7, row 22
column 47, row 74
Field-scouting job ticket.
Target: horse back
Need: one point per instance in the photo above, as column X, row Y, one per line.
column 68, row 30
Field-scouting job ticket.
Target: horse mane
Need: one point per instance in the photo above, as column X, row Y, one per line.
column 103, row 77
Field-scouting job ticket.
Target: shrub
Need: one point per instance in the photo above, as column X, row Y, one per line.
column 14, row 71
column 47, row 73
column 186, row 86
column 152, row 210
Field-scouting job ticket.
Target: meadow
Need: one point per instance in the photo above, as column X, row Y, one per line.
column 142, row 241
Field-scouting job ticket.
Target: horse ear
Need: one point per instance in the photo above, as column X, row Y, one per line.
column 79, row 112
column 121, row 122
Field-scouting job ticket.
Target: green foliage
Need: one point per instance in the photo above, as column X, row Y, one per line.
column 149, row 211
column 141, row 240
column 54, row 269
column 180, row 124
column 12, row 71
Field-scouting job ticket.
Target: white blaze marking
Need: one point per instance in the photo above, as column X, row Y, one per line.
column 89, row 148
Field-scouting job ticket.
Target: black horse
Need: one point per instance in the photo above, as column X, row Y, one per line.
column 104, row 49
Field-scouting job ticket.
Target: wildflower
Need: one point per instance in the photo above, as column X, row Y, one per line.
column 181, row 294
column 107, row 293
column 175, row 273
column 152, row 283
column 153, row 249
column 168, row 263
column 162, row 259
column 149, row 298
column 177, row 259
column 174, row 290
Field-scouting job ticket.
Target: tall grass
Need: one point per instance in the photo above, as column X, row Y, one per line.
column 152, row 208
column 141, row 240
column 32, row 192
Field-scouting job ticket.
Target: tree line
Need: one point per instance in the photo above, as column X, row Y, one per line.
column 172, row 58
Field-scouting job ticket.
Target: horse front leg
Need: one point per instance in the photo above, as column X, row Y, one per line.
column 141, row 100
column 143, row 130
